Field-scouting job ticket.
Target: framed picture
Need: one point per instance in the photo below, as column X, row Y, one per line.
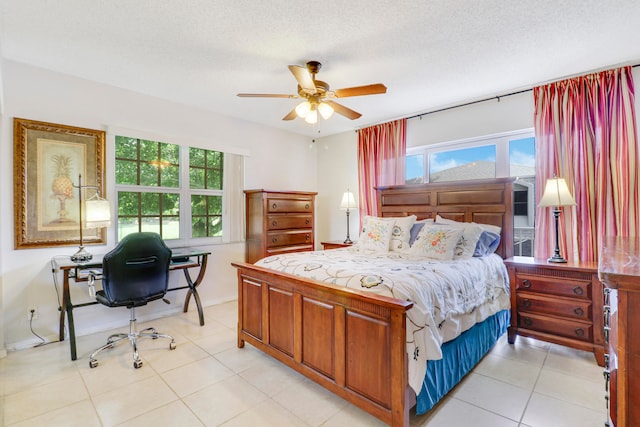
column 48, row 159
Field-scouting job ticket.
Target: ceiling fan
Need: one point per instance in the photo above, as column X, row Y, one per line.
column 317, row 95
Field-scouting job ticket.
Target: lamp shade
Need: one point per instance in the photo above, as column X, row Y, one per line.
column 325, row 110
column 348, row 201
column 303, row 109
column 556, row 193
column 97, row 213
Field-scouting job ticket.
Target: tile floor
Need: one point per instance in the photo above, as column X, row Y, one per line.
column 208, row 381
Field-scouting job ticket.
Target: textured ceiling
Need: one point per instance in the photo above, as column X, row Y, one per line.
column 429, row 54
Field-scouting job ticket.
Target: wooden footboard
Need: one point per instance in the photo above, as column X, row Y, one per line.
column 349, row 342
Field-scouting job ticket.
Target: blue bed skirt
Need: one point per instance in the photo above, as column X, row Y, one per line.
column 459, row 356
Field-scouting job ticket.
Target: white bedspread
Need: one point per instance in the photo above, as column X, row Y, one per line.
column 449, row 297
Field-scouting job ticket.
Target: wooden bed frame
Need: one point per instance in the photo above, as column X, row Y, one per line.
column 351, row 342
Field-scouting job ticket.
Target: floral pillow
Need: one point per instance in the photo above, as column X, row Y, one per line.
column 376, row 233
column 437, row 241
column 470, row 236
column 401, row 233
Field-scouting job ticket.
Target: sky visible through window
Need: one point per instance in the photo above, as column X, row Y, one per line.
column 521, row 152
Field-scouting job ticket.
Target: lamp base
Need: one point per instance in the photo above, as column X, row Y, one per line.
column 557, row 258
column 348, row 241
column 81, row 257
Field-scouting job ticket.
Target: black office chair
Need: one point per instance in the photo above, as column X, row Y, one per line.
column 134, row 273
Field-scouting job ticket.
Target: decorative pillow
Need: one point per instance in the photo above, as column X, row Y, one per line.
column 438, row 242
column 416, row 227
column 487, row 244
column 376, row 233
column 401, row 233
column 470, row 235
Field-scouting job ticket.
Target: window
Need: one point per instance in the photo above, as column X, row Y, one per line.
column 173, row 190
column 508, row 154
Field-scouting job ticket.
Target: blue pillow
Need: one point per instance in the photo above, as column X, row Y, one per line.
column 413, row 233
column 487, row 244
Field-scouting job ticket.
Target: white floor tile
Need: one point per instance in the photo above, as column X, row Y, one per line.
column 545, row 411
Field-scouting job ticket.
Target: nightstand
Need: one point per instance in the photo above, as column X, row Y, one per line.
column 335, row 244
column 557, row 302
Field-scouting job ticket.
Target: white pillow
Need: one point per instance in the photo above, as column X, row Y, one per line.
column 437, row 241
column 470, row 236
column 401, row 233
column 376, row 233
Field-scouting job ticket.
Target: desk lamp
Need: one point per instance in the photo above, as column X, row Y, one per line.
column 556, row 194
column 98, row 215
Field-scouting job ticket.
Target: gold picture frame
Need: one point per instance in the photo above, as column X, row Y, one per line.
column 47, row 160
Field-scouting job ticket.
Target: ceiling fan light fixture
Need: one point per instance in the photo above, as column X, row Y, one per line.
column 303, row 109
column 326, row 110
column 312, row 117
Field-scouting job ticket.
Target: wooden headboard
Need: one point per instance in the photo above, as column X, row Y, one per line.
column 483, row 201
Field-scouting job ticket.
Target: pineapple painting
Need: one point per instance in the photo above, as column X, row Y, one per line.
column 62, row 185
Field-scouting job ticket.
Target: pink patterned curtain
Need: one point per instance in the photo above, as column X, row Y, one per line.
column 586, row 133
column 381, row 161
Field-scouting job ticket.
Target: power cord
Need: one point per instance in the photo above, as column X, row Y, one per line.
column 31, row 315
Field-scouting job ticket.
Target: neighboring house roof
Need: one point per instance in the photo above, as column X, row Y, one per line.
column 481, row 169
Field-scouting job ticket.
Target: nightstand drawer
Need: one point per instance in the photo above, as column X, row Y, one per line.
column 553, row 285
column 573, row 308
column 563, row 327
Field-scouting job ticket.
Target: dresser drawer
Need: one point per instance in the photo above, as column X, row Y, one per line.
column 289, row 205
column 284, row 221
column 561, row 327
column 288, row 249
column 554, row 285
column 573, row 308
column 287, row 238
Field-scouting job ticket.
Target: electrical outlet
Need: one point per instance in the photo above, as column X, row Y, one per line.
column 32, row 313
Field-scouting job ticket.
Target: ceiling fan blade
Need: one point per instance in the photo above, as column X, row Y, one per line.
column 361, row 90
column 266, row 95
column 292, row 115
column 341, row 109
column 303, row 76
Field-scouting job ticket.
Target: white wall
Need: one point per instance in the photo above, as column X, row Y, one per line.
column 38, row 94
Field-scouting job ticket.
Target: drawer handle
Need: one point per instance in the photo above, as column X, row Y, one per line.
column 607, row 330
column 307, row 237
column 306, row 222
column 275, row 205
column 578, row 290
column 307, row 206
column 579, row 332
column 526, row 302
column 274, row 223
column 578, row 311
column 526, row 283
column 274, row 240
column 527, row 321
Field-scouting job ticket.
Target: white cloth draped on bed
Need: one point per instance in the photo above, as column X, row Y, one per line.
column 449, row 296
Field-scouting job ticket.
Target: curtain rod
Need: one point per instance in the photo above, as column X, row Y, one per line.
column 479, row 101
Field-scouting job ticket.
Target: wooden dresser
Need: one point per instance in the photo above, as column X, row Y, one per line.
column 557, row 302
column 278, row 222
column 619, row 271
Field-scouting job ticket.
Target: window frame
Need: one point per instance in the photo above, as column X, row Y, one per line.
column 183, row 190
column 500, row 140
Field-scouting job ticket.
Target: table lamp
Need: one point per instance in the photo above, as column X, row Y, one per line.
column 556, row 194
column 98, row 215
column 348, row 202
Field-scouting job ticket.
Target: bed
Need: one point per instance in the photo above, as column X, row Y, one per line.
column 353, row 342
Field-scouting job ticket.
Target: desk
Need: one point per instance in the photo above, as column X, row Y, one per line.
column 181, row 259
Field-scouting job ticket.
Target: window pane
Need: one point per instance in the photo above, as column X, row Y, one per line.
column 170, row 228
column 126, row 148
column 415, row 169
column 214, row 180
column 196, row 178
column 170, row 176
column 151, row 224
column 148, row 150
column 127, row 226
column 150, row 203
column 522, row 157
column 196, row 157
column 126, row 172
column 205, row 169
column 206, row 217
column 463, row 164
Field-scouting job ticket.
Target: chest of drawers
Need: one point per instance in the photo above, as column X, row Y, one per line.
column 278, row 222
column 559, row 303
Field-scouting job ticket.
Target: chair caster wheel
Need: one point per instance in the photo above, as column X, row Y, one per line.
column 172, row 345
column 93, row 363
column 137, row 364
